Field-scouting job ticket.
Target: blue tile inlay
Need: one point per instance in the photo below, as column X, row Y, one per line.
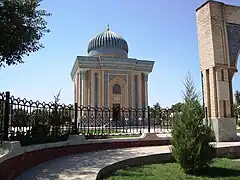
column 233, row 33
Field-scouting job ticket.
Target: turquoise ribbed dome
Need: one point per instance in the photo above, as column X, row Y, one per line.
column 108, row 43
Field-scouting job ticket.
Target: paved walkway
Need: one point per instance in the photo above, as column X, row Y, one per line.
column 85, row 166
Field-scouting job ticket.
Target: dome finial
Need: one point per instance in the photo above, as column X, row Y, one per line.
column 108, row 28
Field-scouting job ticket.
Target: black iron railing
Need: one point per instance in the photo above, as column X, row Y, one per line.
column 34, row 122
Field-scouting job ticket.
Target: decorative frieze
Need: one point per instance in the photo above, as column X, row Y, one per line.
column 112, row 76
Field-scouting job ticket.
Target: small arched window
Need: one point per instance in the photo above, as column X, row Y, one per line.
column 116, row 89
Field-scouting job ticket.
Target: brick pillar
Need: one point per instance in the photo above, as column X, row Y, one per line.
column 213, row 92
column 206, row 89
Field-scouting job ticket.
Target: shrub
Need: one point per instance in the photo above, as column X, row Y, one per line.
column 190, row 136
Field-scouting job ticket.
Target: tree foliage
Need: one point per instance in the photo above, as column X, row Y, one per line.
column 177, row 107
column 22, row 25
column 237, row 98
column 20, row 118
column 190, row 136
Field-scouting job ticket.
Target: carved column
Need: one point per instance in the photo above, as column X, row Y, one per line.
column 80, row 89
column 89, row 86
column 230, row 76
column 77, row 88
column 213, row 92
column 146, row 89
column 206, row 90
column 83, row 85
column 140, row 90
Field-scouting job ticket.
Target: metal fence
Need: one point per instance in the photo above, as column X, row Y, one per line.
column 34, row 122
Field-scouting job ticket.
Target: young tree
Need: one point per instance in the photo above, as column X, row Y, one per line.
column 190, row 136
column 22, row 25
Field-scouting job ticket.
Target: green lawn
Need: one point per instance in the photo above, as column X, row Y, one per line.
column 221, row 169
column 125, row 136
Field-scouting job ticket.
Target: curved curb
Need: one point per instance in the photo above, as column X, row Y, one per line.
column 223, row 152
column 134, row 162
column 29, row 159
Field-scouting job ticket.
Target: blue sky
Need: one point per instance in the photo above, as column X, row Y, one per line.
column 163, row 31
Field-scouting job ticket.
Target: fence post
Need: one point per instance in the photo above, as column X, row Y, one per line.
column 149, row 117
column 6, row 115
column 75, row 118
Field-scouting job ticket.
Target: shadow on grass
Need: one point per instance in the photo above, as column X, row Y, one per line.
column 215, row 172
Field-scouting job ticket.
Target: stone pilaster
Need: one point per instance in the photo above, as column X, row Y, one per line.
column 207, row 101
column 140, row 90
column 213, row 92
column 102, row 94
column 100, row 86
column 93, row 88
column 89, row 87
column 77, row 90
column 146, row 89
column 133, row 90
column 84, row 88
column 80, row 90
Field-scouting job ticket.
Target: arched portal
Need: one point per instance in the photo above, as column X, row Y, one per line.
column 116, row 89
column 219, row 45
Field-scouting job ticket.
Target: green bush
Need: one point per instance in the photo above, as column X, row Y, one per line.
column 190, row 136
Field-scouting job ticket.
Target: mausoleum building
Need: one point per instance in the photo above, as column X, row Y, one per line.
column 107, row 77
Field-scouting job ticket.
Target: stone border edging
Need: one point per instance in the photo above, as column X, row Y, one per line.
column 14, row 162
column 134, row 162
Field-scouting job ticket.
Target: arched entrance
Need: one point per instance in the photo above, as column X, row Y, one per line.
column 219, row 46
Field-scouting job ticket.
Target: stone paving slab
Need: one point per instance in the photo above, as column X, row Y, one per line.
column 85, row 166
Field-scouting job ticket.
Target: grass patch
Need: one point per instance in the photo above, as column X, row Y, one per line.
column 124, row 136
column 221, row 169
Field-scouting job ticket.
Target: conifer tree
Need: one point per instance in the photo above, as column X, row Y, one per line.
column 190, row 136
